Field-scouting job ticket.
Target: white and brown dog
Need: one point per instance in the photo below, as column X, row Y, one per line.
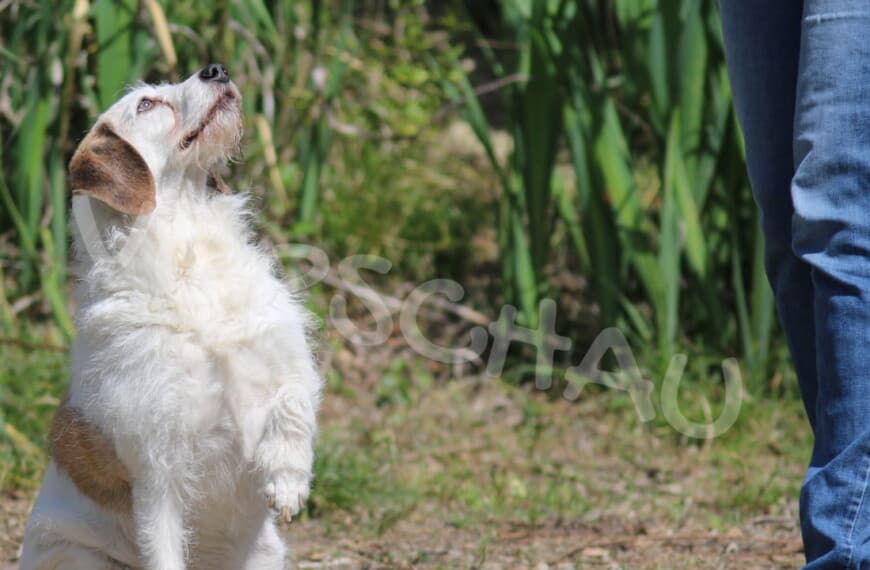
column 191, row 415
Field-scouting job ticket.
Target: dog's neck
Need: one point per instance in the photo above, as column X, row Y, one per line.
column 94, row 222
column 174, row 182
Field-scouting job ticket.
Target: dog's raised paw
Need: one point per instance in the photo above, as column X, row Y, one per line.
column 286, row 493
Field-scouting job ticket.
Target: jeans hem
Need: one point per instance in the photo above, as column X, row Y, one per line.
column 857, row 512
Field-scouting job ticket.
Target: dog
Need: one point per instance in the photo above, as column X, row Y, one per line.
column 191, row 416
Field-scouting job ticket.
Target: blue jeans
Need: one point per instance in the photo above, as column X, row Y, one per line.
column 800, row 73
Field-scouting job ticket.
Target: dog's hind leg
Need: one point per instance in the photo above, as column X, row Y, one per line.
column 68, row 531
column 159, row 517
column 262, row 549
column 67, row 556
column 269, row 551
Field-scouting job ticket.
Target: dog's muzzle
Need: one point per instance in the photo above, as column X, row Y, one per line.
column 215, row 72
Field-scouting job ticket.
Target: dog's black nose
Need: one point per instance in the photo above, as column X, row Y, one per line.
column 214, row 72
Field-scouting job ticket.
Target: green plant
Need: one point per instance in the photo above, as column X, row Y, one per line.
column 621, row 85
column 344, row 103
column 32, row 381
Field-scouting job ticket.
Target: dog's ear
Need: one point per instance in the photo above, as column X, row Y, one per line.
column 108, row 168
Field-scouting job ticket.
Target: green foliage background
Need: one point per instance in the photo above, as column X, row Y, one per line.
column 517, row 146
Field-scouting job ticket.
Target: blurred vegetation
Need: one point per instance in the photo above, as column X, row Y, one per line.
column 580, row 150
column 657, row 209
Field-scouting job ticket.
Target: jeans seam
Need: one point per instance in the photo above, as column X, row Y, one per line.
column 851, row 546
column 819, row 18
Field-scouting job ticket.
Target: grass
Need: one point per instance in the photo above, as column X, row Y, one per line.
column 474, row 458
column 411, row 458
column 384, row 440
column 525, row 457
column 32, row 384
column 393, row 448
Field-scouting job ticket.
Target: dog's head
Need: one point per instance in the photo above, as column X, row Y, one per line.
column 159, row 133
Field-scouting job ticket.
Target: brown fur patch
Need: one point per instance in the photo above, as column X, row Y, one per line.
column 108, row 168
column 81, row 451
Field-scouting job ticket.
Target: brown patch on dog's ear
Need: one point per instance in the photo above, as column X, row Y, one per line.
column 87, row 457
column 108, row 168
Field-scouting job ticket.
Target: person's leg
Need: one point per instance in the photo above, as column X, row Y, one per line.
column 831, row 233
column 762, row 44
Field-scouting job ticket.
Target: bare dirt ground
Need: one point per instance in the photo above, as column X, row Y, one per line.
column 650, row 501
column 473, row 473
column 768, row 542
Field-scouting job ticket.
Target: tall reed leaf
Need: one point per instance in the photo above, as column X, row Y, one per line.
column 114, row 27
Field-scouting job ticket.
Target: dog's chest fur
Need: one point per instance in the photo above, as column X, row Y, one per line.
column 181, row 328
column 192, row 262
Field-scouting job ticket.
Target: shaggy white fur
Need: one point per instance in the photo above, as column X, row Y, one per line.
column 191, row 357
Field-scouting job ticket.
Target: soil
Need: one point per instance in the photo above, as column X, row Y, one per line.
column 765, row 543
column 653, row 501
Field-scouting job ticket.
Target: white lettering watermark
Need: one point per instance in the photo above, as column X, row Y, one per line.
column 498, row 335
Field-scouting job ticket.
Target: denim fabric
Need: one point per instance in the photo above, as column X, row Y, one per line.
column 800, row 73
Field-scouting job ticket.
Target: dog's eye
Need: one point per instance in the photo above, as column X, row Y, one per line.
column 145, row 104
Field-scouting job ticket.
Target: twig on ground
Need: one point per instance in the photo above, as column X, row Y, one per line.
column 411, row 457
column 395, row 305
column 785, row 543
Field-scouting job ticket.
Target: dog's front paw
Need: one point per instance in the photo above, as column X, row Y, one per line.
column 286, row 493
